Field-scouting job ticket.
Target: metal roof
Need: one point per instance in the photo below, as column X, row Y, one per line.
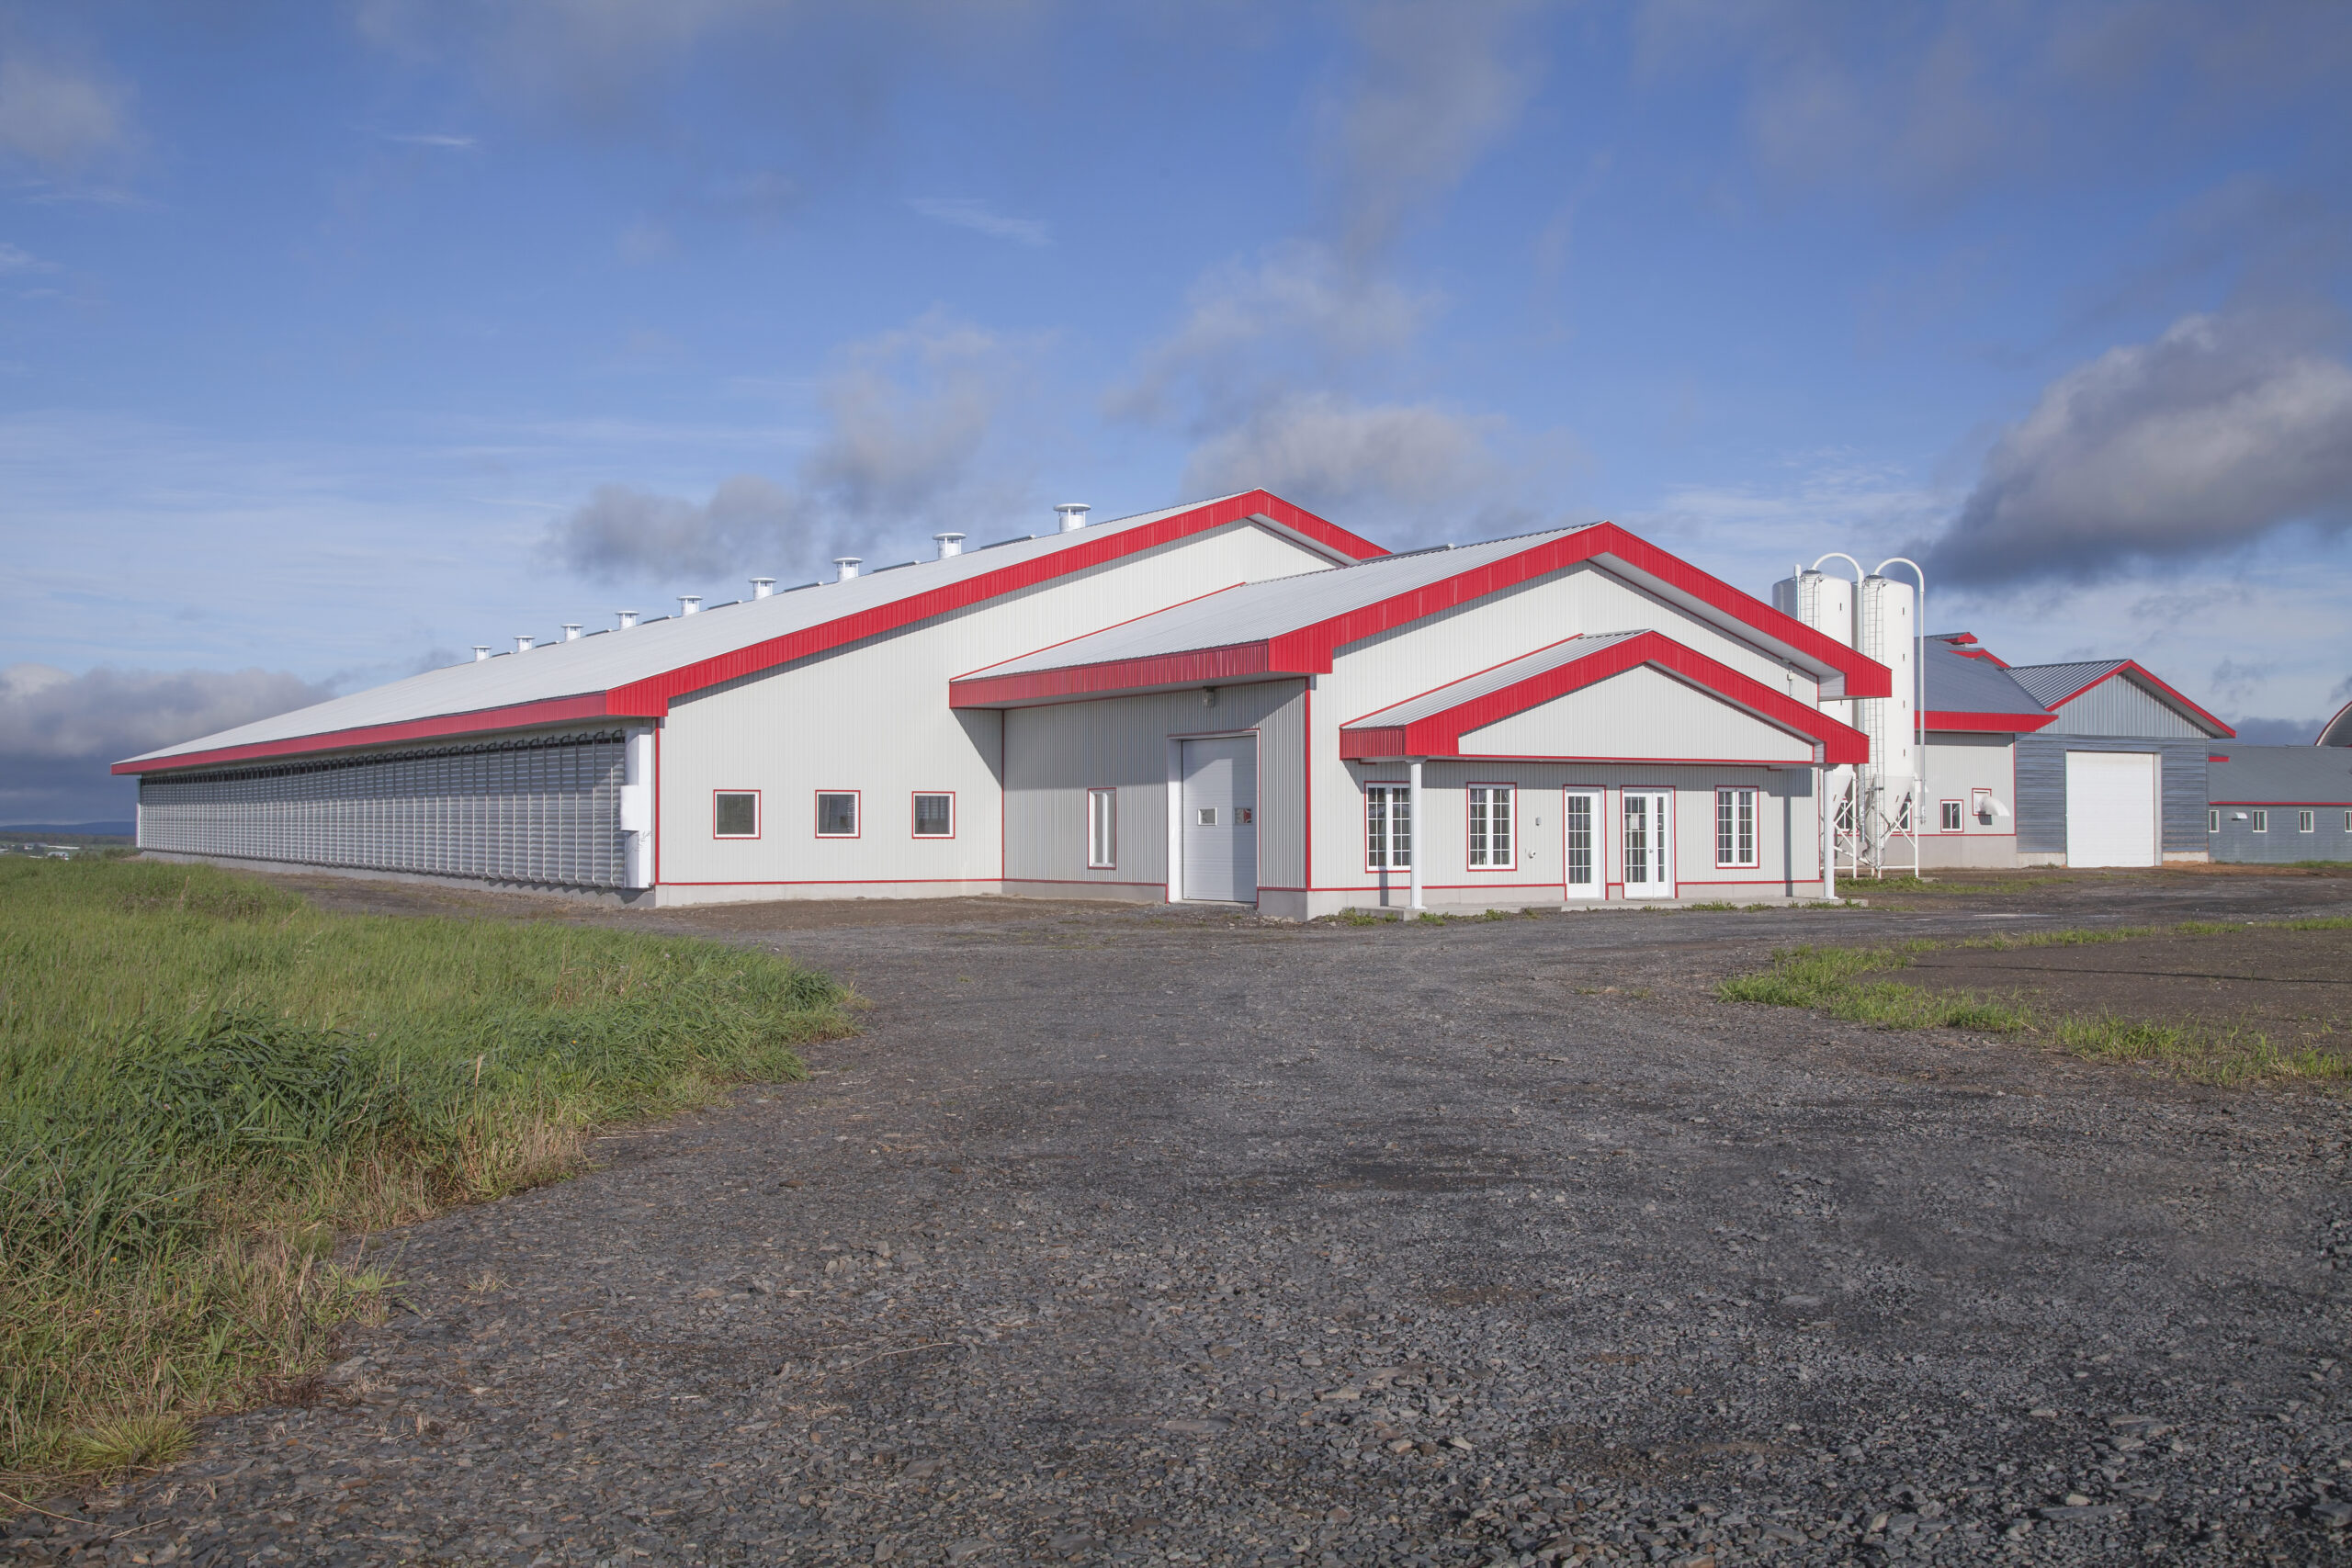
column 2337, row 731
column 2050, row 684
column 1471, row 687
column 1958, row 684
column 2279, row 775
column 604, row 660
column 1251, row 612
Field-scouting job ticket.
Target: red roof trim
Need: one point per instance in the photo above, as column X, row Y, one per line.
column 1439, row 734
column 1990, row 723
column 2134, row 667
column 1311, row 648
column 515, row 715
column 1200, row 667
column 653, row 695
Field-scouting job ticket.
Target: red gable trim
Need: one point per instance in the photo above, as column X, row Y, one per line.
column 651, row 697
column 515, row 715
column 1440, row 735
column 1989, row 723
column 1310, row 650
column 2134, row 667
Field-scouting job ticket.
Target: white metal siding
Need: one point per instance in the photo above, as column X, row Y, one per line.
column 2111, row 808
column 873, row 717
column 1641, row 713
column 1052, row 755
column 545, row 811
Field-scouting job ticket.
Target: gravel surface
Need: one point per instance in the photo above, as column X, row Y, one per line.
column 1130, row 1236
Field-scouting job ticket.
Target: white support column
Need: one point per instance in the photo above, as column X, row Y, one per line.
column 637, row 810
column 1421, row 835
column 1175, row 821
column 1828, row 824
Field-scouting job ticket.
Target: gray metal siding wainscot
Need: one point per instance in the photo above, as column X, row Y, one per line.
column 2041, row 788
column 543, row 811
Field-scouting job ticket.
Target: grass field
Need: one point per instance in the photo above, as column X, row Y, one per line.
column 205, row 1083
column 1853, row 983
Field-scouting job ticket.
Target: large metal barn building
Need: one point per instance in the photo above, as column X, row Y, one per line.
column 1233, row 701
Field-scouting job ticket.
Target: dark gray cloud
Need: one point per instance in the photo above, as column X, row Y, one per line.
column 61, row 732
column 910, row 417
column 1329, row 453
column 2278, row 732
column 2219, row 433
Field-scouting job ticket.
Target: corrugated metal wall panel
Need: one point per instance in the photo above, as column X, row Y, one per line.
column 1638, row 713
column 1054, row 755
column 2284, row 843
column 2042, row 789
column 545, row 811
column 2116, row 706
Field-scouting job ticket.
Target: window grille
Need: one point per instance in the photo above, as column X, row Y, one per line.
column 1490, row 827
column 1388, row 826
column 1735, row 827
column 1579, row 835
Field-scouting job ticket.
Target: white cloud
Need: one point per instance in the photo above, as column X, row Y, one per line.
column 965, row 212
column 2222, row 431
column 16, row 258
column 1323, row 451
column 58, row 114
column 443, row 140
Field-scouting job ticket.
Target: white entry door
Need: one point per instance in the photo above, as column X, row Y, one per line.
column 1648, row 843
column 1581, row 830
column 1220, row 818
column 2112, row 808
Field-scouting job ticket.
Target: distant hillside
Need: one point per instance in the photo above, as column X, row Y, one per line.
column 66, row 830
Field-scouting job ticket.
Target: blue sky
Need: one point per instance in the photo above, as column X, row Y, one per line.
column 337, row 338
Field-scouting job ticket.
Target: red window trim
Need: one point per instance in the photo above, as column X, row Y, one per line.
column 816, row 812
column 955, row 816
column 759, row 818
column 1720, row 863
column 1469, row 784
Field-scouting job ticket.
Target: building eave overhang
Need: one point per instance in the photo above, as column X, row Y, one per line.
column 651, row 697
column 1439, row 733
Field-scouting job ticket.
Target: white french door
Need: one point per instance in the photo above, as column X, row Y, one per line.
column 1581, row 825
column 1646, row 819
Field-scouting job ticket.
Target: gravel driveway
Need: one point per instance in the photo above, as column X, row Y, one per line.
column 1138, row 1235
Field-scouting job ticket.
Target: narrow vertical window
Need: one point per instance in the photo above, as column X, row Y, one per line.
column 2262, row 821
column 1579, row 841
column 1101, row 829
column 1637, row 839
column 2212, row 821
column 1736, row 826
column 1490, row 827
column 1388, row 828
column 1951, row 815
column 2304, row 821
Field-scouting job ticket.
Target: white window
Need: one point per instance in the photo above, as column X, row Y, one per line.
column 2304, row 821
column 1101, row 829
column 935, row 816
column 2347, row 821
column 1579, row 837
column 1735, row 827
column 1950, row 810
column 2213, row 821
column 837, row 814
column 1387, row 826
column 735, row 814
column 2262, row 821
column 1490, row 848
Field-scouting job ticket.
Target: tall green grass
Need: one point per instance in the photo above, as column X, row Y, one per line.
column 1838, row 981
column 203, row 1080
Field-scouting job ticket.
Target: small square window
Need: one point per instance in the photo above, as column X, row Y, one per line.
column 735, row 814
column 837, row 814
column 2305, row 821
column 935, row 816
column 2262, row 821
column 1951, row 815
column 1205, row 816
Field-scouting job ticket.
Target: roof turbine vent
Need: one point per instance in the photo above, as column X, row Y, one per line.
column 848, row 565
column 1073, row 515
column 689, row 604
column 949, row 545
column 762, row 586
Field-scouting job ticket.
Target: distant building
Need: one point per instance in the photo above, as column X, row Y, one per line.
column 2337, row 731
column 2277, row 804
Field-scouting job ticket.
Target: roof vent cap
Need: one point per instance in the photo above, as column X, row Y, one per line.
column 949, row 545
column 689, row 604
column 572, row 631
column 522, row 644
column 1073, row 515
column 626, row 619
column 481, row 652
column 848, row 565
column 762, row 586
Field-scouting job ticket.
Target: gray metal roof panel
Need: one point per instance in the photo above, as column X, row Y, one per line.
column 1253, row 611
column 590, row 665
column 2050, row 684
column 1957, row 683
column 2278, row 775
column 1471, row 687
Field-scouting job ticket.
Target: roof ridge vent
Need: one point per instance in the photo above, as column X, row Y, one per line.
column 572, row 631
column 762, row 586
column 1073, row 515
column 481, row 652
column 690, row 603
column 626, row 619
column 847, row 566
column 524, row 644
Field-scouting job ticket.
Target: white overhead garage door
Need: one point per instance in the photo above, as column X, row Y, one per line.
column 2113, row 812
